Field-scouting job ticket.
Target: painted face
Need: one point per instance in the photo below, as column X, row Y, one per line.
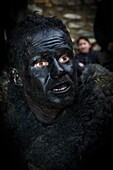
column 84, row 46
column 49, row 72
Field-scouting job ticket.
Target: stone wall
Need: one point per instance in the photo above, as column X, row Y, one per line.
column 77, row 15
column 67, row 2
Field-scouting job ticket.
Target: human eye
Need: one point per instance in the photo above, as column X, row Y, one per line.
column 64, row 59
column 40, row 64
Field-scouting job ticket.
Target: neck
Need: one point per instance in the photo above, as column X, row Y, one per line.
column 45, row 115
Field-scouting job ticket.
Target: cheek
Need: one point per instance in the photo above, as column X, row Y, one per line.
column 69, row 68
column 80, row 46
column 33, row 86
column 38, row 77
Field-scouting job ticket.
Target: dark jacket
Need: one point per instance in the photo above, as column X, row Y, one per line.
column 90, row 58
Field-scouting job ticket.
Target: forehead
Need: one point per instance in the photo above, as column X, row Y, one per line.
column 82, row 41
column 50, row 39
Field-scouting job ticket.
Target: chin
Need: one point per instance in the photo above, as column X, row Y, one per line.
column 61, row 102
column 61, row 98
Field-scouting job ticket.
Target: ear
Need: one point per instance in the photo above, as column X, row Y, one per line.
column 14, row 77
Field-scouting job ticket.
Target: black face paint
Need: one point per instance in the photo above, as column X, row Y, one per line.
column 49, row 71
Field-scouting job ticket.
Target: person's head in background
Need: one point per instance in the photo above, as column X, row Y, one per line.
column 84, row 45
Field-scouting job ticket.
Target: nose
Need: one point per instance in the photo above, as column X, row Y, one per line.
column 57, row 71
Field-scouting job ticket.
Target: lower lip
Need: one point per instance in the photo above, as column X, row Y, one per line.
column 61, row 91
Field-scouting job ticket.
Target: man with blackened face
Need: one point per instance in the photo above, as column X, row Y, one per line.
column 45, row 62
column 47, row 126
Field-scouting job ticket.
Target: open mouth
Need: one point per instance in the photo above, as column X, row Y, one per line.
column 61, row 88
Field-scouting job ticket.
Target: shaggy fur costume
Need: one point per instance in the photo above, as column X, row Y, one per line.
column 81, row 139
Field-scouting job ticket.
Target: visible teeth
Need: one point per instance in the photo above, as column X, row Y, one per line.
column 63, row 88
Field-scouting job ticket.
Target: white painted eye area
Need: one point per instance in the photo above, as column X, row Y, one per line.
column 64, row 59
column 41, row 64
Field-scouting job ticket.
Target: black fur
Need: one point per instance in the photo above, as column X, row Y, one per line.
column 81, row 139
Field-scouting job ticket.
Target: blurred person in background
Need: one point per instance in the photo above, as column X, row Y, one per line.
column 86, row 54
